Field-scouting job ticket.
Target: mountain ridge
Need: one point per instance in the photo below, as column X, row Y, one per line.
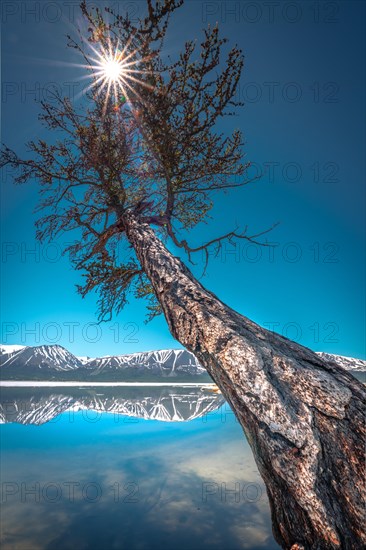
column 50, row 362
column 56, row 362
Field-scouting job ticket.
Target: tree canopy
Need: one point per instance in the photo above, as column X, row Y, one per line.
column 149, row 142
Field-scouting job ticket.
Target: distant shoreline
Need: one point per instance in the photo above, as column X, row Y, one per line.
column 31, row 383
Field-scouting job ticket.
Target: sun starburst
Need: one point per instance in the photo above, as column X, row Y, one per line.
column 116, row 72
column 112, row 69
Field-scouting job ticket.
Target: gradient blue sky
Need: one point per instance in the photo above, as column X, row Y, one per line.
column 303, row 120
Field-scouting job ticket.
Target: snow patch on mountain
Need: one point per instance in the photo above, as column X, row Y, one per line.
column 10, row 348
column 85, row 359
column 348, row 363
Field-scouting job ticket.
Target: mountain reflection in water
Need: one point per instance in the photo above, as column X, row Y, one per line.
column 173, row 404
column 143, row 468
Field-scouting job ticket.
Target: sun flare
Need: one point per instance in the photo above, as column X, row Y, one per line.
column 113, row 69
column 117, row 73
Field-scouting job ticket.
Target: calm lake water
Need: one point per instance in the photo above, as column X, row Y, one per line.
column 137, row 468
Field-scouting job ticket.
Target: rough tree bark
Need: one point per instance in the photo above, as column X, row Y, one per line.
column 303, row 417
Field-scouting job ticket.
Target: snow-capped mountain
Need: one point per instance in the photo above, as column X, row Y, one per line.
column 348, row 363
column 165, row 362
column 54, row 362
column 167, row 405
column 53, row 357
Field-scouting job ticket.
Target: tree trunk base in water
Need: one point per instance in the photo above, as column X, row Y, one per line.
column 303, row 416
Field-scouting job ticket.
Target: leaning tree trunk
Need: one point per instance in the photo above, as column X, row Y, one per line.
column 303, row 417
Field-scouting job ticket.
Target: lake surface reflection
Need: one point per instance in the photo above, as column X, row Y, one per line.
column 139, row 468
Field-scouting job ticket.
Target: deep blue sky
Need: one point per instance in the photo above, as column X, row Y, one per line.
column 304, row 88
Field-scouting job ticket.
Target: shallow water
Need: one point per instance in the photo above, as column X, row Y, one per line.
column 137, row 468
